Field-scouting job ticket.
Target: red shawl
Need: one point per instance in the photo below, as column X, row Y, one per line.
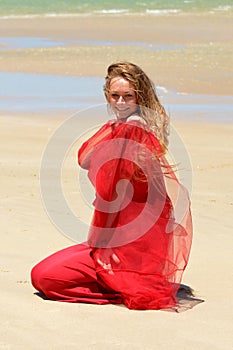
column 142, row 214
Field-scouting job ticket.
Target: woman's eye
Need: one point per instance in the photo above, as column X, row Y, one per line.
column 116, row 96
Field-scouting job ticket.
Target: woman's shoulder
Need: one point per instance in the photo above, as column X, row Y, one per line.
column 141, row 131
column 136, row 118
column 134, row 127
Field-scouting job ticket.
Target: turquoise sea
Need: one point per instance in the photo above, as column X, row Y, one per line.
column 123, row 7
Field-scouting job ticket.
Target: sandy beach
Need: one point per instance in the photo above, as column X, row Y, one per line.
column 201, row 65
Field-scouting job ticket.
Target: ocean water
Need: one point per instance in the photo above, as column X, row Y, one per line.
column 14, row 43
column 122, row 7
column 41, row 93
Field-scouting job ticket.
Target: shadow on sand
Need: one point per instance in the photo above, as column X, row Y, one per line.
column 186, row 299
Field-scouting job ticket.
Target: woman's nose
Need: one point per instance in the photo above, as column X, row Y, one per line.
column 121, row 99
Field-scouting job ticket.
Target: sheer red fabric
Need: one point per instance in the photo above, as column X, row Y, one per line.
column 142, row 214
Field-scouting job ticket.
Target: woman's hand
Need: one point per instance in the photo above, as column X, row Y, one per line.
column 105, row 257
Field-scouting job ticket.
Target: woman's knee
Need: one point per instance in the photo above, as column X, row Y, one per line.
column 42, row 279
column 36, row 277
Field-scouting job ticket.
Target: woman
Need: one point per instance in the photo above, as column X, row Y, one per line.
column 137, row 247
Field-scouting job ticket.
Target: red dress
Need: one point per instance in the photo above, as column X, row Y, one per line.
column 137, row 216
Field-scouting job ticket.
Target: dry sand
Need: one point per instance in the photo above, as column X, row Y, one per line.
column 28, row 322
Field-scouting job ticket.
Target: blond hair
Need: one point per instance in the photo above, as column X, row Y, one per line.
column 150, row 107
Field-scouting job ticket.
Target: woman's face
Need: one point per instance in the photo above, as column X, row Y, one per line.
column 122, row 98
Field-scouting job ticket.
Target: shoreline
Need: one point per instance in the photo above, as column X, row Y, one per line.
column 217, row 12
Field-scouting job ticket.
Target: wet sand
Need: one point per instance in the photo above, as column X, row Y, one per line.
column 203, row 64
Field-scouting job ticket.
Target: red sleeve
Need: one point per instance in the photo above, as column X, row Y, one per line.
column 87, row 148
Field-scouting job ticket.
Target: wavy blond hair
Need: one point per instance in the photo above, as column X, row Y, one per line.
column 150, row 108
